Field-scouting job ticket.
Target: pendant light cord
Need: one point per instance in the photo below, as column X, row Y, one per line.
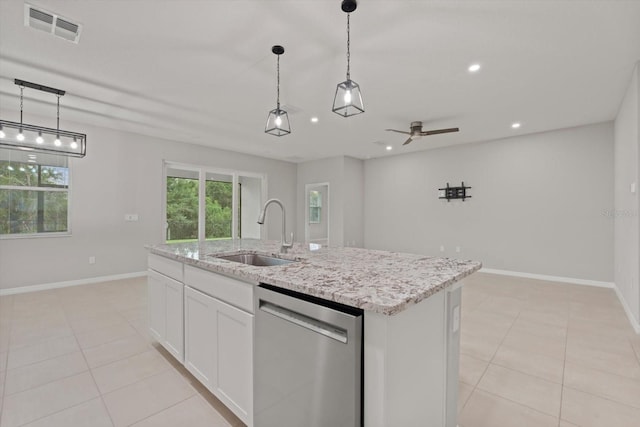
column 58, row 118
column 21, row 105
column 278, row 83
column 348, row 48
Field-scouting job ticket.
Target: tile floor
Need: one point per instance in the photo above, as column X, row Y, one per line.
column 533, row 353
column 537, row 354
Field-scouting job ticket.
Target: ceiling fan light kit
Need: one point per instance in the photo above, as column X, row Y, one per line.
column 348, row 97
column 27, row 137
column 278, row 119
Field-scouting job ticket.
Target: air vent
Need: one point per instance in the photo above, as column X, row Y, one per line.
column 51, row 23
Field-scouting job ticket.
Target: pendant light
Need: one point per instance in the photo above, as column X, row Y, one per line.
column 28, row 137
column 278, row 119
column 348, row 99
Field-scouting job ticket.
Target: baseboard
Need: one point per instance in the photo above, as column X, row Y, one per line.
column 634, row 322
column 561, row 279
column 56, row 285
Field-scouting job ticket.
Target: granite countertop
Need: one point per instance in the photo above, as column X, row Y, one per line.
column 379, row 281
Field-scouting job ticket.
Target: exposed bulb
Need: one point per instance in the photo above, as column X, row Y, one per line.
column 39, row 138
column 74, row 145
column 278, row 121
column 2, row 134
column 347, row 97
column 57, row 142
column 20, row 136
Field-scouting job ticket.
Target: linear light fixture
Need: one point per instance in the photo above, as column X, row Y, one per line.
column 23, row 136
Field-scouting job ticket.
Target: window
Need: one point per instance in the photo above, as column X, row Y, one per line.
column 315, row 206
column 207, row 204
column 34, row 194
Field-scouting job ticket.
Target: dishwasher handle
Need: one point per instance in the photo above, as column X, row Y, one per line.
column 315, row 325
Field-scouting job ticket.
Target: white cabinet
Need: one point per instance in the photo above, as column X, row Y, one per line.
column 219, row 341
column 166, row 304
column 199, row 336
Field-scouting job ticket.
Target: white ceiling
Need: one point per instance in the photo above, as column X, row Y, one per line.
column 203, row 71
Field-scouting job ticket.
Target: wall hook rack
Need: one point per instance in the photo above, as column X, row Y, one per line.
column 454, row 192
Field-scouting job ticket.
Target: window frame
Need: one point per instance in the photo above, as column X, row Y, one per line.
column 202, row 179
column 45, row 188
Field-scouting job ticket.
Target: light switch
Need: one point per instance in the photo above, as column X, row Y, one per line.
column 131, row 217
column 633, row 188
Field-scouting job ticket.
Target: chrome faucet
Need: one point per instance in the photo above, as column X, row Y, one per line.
column 283, row 240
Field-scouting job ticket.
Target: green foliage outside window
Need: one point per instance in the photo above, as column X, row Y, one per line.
column 33, row 198
column 182, row 209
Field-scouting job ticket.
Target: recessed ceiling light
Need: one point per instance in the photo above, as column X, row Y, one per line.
column 474, row 67
column 314, row 120
column 389, row 148
column 515, row 125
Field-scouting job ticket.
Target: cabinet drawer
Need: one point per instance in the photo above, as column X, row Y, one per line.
column 166, row 266
column 232, row 291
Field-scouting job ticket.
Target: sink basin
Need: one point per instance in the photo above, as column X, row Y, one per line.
column 255, row 259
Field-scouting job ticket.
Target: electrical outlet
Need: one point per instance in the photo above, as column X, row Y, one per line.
column 131, row 217
column 458, row 249
column 441, row 248
column 92, row 260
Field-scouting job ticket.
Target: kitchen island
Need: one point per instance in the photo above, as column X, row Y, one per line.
column 411, row 321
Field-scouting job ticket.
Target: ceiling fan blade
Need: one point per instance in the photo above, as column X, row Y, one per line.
column 437, row 131
column 399, row 131
column 408, row 140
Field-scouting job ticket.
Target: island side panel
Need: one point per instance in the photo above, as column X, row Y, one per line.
column 407, row 377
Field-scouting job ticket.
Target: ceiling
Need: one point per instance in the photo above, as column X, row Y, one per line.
column 203, row 72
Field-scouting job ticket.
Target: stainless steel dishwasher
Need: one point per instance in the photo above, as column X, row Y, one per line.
column 308, row 361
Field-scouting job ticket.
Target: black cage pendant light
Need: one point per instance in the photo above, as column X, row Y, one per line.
column 348, row 99
column 23, row 136
column 278, row 119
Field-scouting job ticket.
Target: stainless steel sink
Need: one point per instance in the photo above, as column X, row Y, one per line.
column 255, row 259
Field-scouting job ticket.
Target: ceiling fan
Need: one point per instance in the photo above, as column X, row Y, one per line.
column 417, row 132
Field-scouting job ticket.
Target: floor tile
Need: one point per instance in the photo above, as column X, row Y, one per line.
column 530, row 343
column 478, row 346
column 30, row 405
column 128, row 371
column 603, row 384
column 147, row 397
column 3, row 361
column 486, row 410
column 536, row 393
column 471, row 369
column 34, row 375
column 611, row 360
column 587, row 410
column 193, row 412
column 91, row 413
column 41, row 351
column 115, row 350
column 105, row 335
column 464, row 392
column 538, row 365
column 96, row 321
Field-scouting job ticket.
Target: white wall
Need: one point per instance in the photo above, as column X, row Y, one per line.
column 345, row 177
column 627, row 239
column 538, row 203
column 122, row 173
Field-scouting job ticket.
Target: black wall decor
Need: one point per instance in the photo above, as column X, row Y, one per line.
column 454, row 192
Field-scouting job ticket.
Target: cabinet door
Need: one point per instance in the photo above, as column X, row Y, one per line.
column 200, row 356
column 174, row 326
column 156, row 304
column 234, row 386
